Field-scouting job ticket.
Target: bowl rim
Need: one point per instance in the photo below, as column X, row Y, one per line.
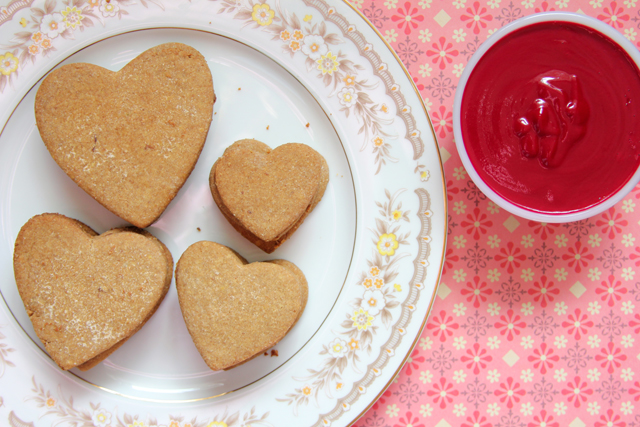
column 571, row 17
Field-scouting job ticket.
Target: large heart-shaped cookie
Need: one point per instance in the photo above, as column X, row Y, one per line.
column 86, row 293
column 234, row 310
column 129, row 138
column 266, row 194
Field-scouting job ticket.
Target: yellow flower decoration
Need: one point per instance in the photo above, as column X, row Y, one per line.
column 377, row 141
column 307, row 18
column 297, row 34
column 23, row 22
column 285, row 35
column 72, row 17
column 387, row 244
column 306, row 390
column 397, row 287
column 328, row 63
column 368, row 282
column 8, row 63
column 353, row 344
column 374, row 271
column 294, row 45
column 361, row 319
column 262, row 14
column 37, row 37
column 349, row 80
column 217, row 424
column 51, row 402
column 379, row 283
column 137, row 424
column 396, row 215
column 347, row 97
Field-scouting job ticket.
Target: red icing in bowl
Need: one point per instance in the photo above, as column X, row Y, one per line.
column 550, row 117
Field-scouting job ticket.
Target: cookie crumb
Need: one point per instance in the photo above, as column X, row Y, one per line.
column 266, row 354
column 239, row 88
column 267, row 127
column 215, row 113
column 198, row 229
column 307, row 125
column 274, row 353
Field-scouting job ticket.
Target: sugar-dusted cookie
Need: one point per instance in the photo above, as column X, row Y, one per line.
column 266, row 194
column 130, row 138
column 234, row 310
column 87, row 293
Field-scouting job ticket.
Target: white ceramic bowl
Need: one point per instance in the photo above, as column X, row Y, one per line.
column 504, row 203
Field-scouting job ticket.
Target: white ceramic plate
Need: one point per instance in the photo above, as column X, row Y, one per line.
column 377, row 236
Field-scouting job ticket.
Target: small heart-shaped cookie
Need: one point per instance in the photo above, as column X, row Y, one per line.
column 86, row 293
column 131, row 138
column 266, row 194
column 234, row 310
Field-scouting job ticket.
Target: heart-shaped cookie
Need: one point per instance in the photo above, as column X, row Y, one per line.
column 266, row 194
column 234, row 310
column 86, row 293
column 130, row 138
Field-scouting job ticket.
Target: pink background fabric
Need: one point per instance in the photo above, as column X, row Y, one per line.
column 534, row 324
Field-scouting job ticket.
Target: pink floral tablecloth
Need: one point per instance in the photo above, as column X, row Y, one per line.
column 534, row 324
